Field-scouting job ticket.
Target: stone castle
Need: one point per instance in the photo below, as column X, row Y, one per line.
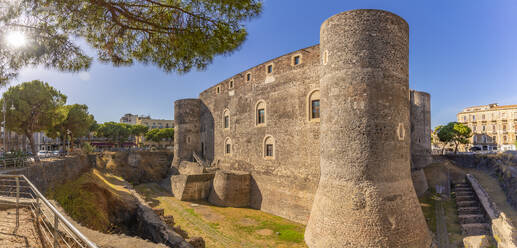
column 329, row 135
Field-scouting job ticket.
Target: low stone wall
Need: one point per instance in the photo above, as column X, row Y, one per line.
column 192, row 187
column 58, row 171
column 153, row 228
column 503, row 230
column 231, row 189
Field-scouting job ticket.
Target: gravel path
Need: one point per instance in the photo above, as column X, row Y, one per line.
column 24, row 236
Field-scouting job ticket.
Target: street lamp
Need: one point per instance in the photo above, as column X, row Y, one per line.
column 4, row 124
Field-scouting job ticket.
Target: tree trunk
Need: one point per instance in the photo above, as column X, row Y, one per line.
column 456, row 148
column 71, row 143
column 33, row 147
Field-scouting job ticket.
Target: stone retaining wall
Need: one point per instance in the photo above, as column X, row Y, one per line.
column 54, row 172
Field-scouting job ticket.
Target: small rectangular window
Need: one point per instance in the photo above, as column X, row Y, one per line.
column 248, row 77
column 315, row 109
column 269, row 150
column 261, row 116
column 270, row 69
column 296, row 60
column 217, row 90
column 231, row 84
column 228, row 148
column 226, row 121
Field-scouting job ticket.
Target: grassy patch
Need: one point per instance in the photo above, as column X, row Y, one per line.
column 227, row 227
column 191, row 212
column 428, row 203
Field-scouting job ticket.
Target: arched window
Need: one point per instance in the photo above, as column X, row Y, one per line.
column 313, row 105
column 260, row 113
column 269, row 147
column 226, row 119
column 228, row 146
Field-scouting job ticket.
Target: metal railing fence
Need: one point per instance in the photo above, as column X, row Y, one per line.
column 15, row 162
column 56, row 231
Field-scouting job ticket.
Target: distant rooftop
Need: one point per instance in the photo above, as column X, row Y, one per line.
column 492, row 106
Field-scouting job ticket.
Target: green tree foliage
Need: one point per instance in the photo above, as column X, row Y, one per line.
column 159, row 135
column 115, row 132
column 73, row 121
column 152, row 135
column 139, row 130
column 35, row 108
column 175, row 35
column 455, row 133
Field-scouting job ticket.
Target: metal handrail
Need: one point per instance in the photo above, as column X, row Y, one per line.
column 58, row 217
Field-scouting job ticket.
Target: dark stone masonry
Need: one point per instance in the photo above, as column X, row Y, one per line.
column 344, row 170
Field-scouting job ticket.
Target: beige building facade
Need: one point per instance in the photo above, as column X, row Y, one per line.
column 494, row 127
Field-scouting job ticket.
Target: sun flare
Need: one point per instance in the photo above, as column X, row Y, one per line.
column 16, row 39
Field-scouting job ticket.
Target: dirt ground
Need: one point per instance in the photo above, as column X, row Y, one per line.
column 226, row 227
column 24, row 236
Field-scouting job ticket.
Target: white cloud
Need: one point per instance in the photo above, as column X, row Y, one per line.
column 85, row 76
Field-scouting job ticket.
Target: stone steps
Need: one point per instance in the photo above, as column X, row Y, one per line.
column 462, row 204
column 471, row 218
column 465, row 198
column 475, row 229
column 466, row 194
column 469, row 210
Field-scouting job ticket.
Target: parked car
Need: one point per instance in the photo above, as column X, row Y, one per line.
column 42, row 153
column 475, row 148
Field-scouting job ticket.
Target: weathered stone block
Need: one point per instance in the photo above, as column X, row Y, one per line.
column 231, row 189
column 190, row 168
column 191, row 187
column 476, row 242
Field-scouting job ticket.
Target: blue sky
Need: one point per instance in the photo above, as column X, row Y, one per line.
column 462, row 52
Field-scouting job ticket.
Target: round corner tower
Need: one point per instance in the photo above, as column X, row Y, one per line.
column 420, row 129
column 365, row 196
column 420, row 105
column 187, row 114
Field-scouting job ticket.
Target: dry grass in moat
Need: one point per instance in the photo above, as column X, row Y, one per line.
column 225, row 226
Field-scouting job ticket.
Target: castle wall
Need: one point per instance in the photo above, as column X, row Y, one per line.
column 365, row 196
column 187, row 124
column 284, row 185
